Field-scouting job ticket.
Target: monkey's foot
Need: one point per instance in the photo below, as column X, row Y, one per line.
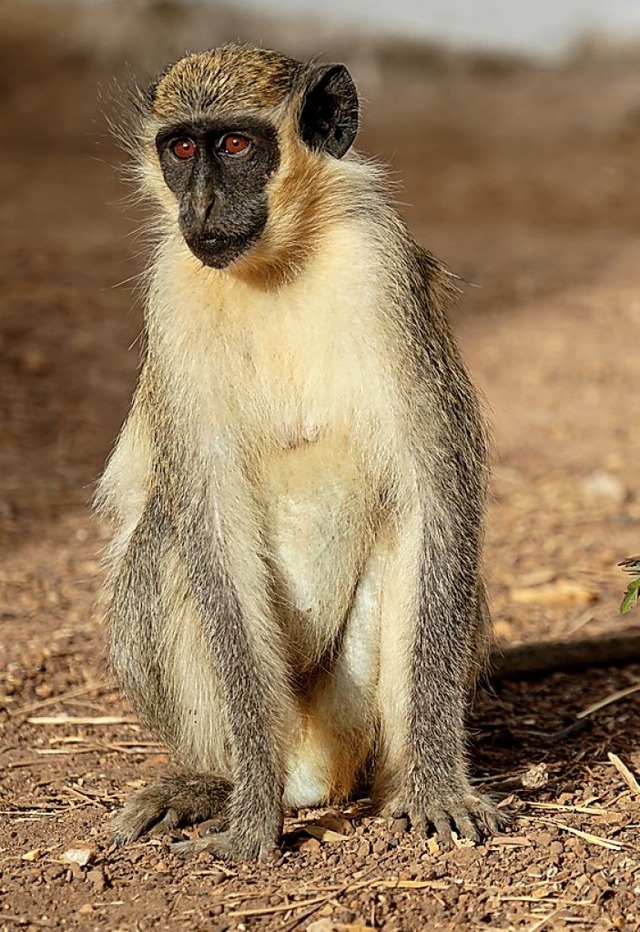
column 231, row 846
column 471, row 814
column 173, row 800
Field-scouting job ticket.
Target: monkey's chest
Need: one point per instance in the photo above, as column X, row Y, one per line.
column 317, row 513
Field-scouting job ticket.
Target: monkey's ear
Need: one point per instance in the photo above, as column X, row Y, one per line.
column 329, row 115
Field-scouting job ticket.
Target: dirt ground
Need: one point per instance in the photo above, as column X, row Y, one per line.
column 527, row 181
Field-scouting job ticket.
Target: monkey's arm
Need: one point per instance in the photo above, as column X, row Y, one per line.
column 542, row 657
column 148, row 612
column 190, row 603
column 254, row 694
column 447, row 638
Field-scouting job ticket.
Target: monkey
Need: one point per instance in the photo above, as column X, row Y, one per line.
column 296, row 600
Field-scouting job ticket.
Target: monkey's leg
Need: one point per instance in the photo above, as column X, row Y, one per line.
column 172, row 801
column 430, row 636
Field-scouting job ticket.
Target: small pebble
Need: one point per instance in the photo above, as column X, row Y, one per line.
column 398, row 826
column 80, row 856
column 310, row 845
column 364, row 849
column 97, row 880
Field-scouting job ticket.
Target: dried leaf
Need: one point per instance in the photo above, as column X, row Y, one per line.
column 33, row 855
column 536, row 777
column 563, row 592
column 432, row 845
column 322, row 833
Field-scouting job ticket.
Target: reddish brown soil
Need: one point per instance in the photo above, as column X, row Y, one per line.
column 527, row 181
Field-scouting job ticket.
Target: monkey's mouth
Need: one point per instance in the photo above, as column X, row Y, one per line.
column 218, row 250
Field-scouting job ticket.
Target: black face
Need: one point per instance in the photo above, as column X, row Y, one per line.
column 218, row 172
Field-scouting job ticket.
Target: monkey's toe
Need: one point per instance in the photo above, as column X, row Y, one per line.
column 174, row 800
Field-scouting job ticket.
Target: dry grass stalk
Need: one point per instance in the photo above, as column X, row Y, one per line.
column 593, row 839
column 613, row 697
column 558, row 901
column 81, row 720
column 282, row 908
column 586, row 836
column 27, row 921
column 63, row 697
column 625, row 773
column 541, row 923
column 587, row 810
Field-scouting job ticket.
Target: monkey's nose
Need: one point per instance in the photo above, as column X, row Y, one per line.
column 201, row 207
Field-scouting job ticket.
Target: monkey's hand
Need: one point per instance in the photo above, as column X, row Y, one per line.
column 444, row 808
column 254, row 833
column 173, row 800
column 233, row 846
column 254, row 827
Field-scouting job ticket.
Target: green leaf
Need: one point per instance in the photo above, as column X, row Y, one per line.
column 631, row 596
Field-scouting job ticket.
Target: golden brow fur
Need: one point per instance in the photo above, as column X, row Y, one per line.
column 229, row 78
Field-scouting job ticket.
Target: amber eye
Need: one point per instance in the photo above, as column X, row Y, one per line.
column 184, row 148
column 235, row 144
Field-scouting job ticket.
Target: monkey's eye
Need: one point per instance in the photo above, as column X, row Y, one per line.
column 184, row 148
column 235, row 145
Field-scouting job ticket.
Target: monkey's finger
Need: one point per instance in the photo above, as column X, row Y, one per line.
column 466, row 826
column 495, row 824
column 440, row 821
column 488, row 816
column 185, row 849
column 132, row 821
column 172, row 820
column 149, row 809
column 495, row 821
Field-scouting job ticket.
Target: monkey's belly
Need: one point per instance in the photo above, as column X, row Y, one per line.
column 316, row 521
column 337, row 728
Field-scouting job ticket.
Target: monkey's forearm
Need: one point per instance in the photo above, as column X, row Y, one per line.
column 254, row 706
column 448, row 635
column 542, row 657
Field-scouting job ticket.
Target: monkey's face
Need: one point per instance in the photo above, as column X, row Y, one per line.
column 241, row 135
column 218, row 171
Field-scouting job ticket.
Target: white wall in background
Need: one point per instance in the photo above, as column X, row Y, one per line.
column 545, row 27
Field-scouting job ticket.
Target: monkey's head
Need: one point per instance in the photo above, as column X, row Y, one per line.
column 240, row 146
